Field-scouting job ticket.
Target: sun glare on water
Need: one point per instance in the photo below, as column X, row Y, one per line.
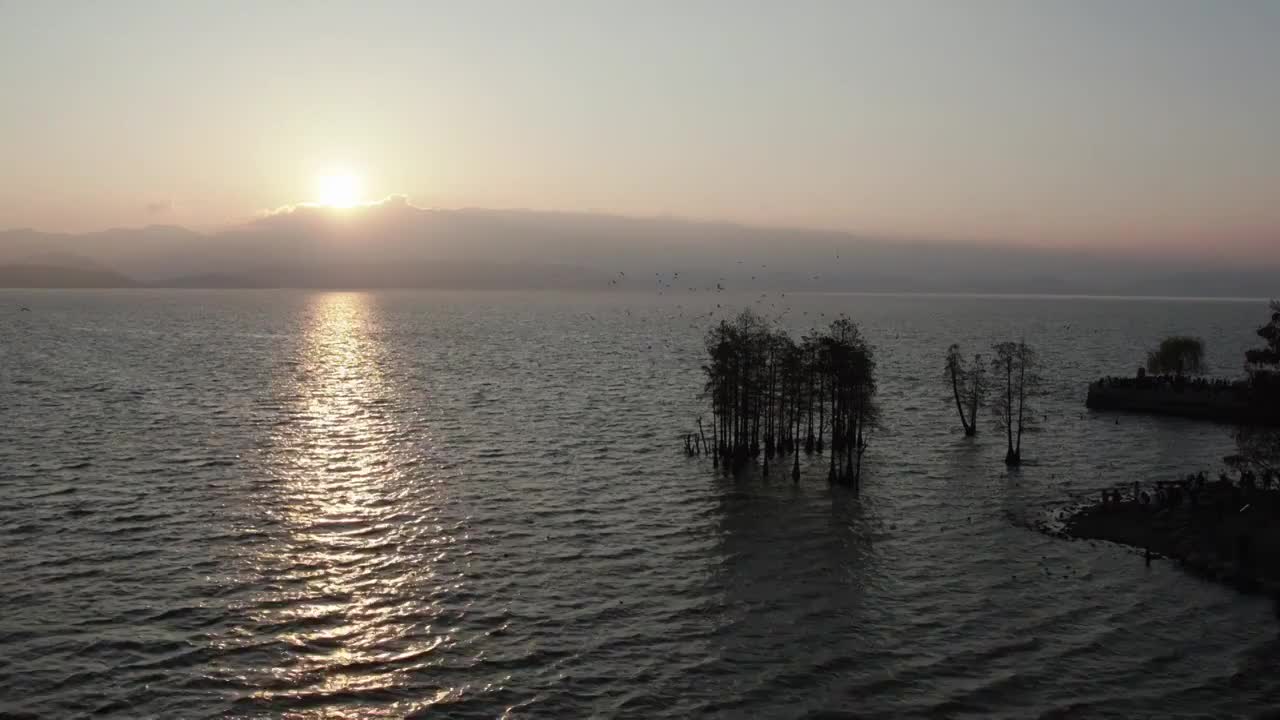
column 340, row 191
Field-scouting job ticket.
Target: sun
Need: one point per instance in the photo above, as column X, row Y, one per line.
column 339, row 190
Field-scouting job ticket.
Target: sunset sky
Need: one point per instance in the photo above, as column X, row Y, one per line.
column 1097, row 123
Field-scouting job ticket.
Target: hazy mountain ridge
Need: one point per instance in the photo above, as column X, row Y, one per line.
column 395, row 244
column 51, row 276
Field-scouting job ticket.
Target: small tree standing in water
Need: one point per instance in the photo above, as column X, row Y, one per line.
column 968, row 387
column 1018, row 366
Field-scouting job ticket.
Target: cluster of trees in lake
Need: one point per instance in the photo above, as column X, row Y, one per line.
column 773, row 395
column 1012, row 386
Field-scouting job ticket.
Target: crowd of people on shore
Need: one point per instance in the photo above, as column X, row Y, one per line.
column 1241, row 512
column 1195, row 486
column 1173, row 382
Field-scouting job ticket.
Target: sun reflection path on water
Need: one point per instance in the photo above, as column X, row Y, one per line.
column 355, row 534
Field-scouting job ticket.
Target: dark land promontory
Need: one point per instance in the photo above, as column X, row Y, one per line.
column 1219, row 530
column 1229, row 528
column 1198, row 399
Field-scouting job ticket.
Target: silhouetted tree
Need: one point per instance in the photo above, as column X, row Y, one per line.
column 1257, row 448
column 849, row 366
column 1258, row 442
column 738, row 377
column 1177, row 355
column 1266, row 359
column 764, row 389
column 1017, row 365
column 968, row 387
column 809, row 354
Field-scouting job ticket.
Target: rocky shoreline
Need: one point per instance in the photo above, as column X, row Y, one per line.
column 1219, row 530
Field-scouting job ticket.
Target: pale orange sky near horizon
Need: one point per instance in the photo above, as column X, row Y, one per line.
column 1142, row 125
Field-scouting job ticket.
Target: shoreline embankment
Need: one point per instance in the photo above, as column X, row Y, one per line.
column 1216, row 530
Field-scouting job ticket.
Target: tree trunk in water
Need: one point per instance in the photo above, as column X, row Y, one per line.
column 862, row 446
column 770, row 421
column 831, row 474
column 1008, row 410
column 808, row 405
column 955, row 390
column 837, row 419
column 1022, row 403
column 794, row 426
column 715, row 454
column 973, row 399
column 1013, row 456
column 848, row 451
column 822, row 413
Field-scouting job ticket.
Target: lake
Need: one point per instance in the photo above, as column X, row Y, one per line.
column 313, row 504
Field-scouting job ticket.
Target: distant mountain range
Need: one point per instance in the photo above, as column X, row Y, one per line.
column 53, row 276
column 395, row 244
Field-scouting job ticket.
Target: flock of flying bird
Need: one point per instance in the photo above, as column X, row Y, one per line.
column 770, row 305
column 664, row 285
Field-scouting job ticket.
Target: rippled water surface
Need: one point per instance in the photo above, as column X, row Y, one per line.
column 242, row 504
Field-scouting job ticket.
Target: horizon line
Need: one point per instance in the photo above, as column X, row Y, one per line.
column 632, row 291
